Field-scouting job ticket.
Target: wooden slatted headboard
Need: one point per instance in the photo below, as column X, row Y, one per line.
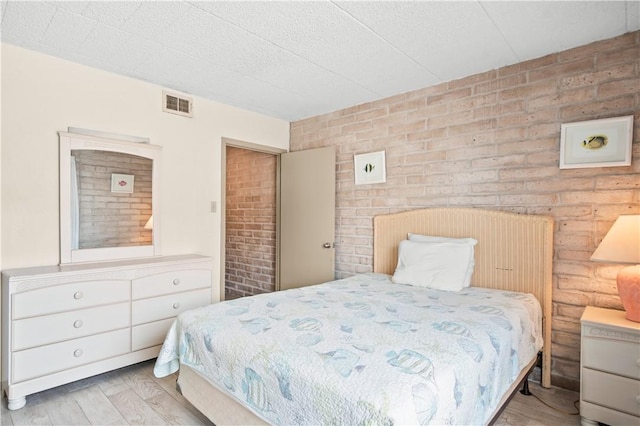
column 514, row 251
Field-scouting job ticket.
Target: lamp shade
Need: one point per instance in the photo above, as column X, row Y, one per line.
column 149, row 224
column 622, row 242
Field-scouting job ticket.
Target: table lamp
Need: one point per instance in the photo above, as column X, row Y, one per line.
column 622, row 245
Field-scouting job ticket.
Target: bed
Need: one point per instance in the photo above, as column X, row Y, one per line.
column 304, row 356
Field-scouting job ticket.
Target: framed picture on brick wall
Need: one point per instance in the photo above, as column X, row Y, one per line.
column 369, row 168
column 122, row 183
column 596, row 143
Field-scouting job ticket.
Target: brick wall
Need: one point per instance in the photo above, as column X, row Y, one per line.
column 250, row 249
column 492, row 140
column 110, row 219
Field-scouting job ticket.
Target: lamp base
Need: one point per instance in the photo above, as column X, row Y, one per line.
column 629, row 290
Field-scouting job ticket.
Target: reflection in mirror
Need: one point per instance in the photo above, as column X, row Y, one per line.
column 106, row 216
column 109, row 193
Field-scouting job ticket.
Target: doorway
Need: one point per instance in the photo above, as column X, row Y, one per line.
column 278, row 218
column 250, row 219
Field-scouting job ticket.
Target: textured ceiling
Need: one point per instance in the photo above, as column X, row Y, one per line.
column 296, row 59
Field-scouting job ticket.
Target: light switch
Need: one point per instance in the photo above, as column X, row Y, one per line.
column 213, row 207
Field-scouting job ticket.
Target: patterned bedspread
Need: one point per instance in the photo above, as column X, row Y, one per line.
column 361, row 350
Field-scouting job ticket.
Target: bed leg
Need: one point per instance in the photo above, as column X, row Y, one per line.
column 525, row 386
column 525, row 382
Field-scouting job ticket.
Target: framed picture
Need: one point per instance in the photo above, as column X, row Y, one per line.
column 596, row 143
column 121, row 183
column 369, row 168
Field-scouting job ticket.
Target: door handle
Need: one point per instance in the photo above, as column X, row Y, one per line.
column 328, row 245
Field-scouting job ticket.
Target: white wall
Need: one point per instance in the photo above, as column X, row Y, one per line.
column 1, row 127
column 42, row 95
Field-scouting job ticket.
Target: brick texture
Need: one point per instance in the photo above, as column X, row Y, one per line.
column 250, row 249
column 493, row 141
column 112, row 219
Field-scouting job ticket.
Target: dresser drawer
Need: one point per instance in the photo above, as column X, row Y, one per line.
column 157, row 308
column 36, row 362
column 150, row 334
column 170, row 282
column 38, row 331
column 611, row 391
column 597, row 354
column 69, row 297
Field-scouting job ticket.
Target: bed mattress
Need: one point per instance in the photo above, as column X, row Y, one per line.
column 361, row 350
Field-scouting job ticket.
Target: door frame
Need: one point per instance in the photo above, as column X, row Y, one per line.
column 225, row 142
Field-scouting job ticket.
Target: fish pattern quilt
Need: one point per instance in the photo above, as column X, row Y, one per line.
column 361, row 350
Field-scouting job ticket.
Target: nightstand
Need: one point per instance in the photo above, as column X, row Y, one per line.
column 609, row 368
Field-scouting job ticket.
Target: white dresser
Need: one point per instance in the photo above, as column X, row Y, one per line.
column 609, row 368
column 65, row 323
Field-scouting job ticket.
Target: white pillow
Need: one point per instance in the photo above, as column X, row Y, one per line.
column 440, row 265
column 433, row 239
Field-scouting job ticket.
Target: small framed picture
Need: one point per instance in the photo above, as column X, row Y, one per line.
column 121, row 183
column 369, row 168
column 596, row 143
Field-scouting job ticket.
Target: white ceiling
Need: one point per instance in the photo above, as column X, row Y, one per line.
column 295, row 59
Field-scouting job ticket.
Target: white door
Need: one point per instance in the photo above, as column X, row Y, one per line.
column 307, row 217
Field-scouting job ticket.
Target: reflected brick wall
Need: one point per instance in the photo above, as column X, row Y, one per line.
column 113, row 219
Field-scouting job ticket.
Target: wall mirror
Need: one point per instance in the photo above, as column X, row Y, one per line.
column 109, row 198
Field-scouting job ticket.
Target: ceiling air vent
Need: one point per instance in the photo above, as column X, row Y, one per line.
column 177, row 104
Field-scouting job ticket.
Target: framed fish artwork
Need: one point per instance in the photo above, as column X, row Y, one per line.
column 596, row 143
column 370, row 168
column 122, row 183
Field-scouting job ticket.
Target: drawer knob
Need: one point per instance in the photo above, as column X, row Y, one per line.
column 176, row 305
column 176, row 281
column 77, row 324
column 77, row 353
column 77, row 295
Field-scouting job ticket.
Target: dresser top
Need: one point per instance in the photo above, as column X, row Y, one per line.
column 97, row 266
column 610, row 317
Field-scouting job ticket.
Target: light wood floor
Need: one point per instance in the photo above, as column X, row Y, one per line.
column 133, row 396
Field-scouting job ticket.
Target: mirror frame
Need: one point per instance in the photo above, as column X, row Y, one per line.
column 72, row 141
